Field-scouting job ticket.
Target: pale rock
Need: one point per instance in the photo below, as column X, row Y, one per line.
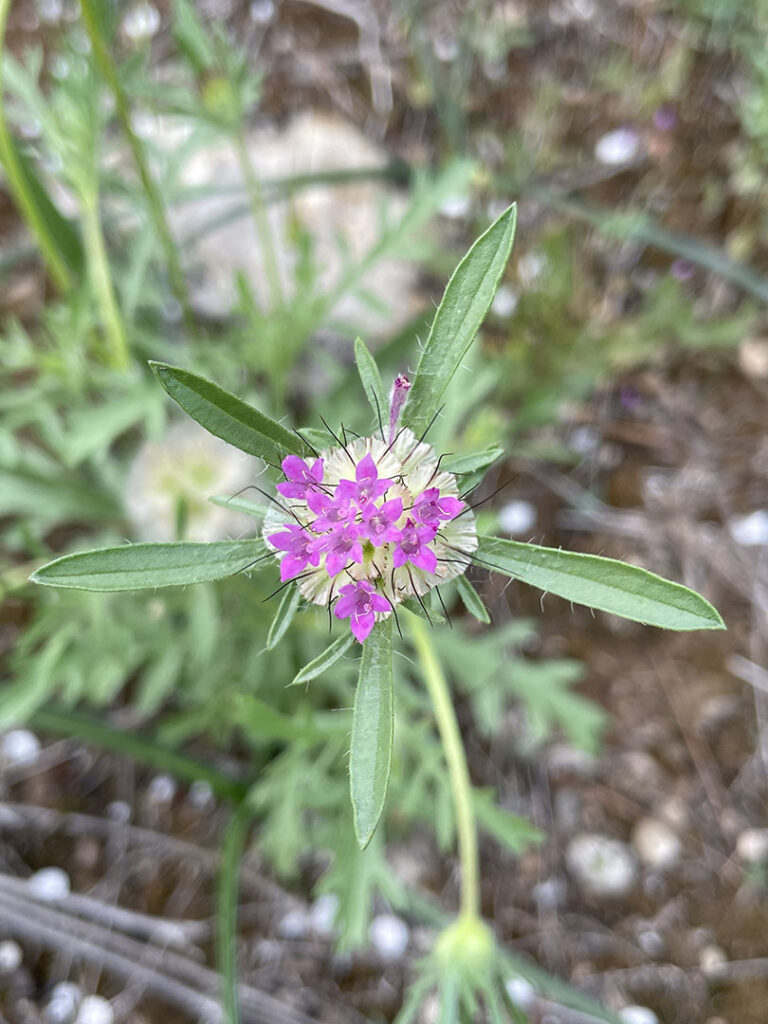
column 49, row 884
column 602, row 867
column 161, row 790
column 549, row 894
column 323, row 913
column 752, row 846
column 750, row 530
column 262, row 11
column 140, row 22
column 389, row 936
column 520, row 991
column 617, row 147
column 11, row 956
column 517, row 517
column 505, row 301
column 711, row 957
column 294, row 924
column 657, row 845
column 201, row 795
column 638, row 1015
column 19, row 748
column 95, row 1010
column 753, row 358
column 64, row 1003
column 310, row 143
column 563, row 759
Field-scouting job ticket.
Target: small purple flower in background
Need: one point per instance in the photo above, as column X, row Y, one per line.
column 413, row 547
column 359, row 603
column 665, row 118
column 432, row 508
column 394, row 531
column 301, row 550
column 300, row 477
column 683, row 270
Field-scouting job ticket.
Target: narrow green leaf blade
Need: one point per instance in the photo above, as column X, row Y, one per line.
column 467, row 299
column 238, row 504
column 603, row 583
column 474, row 462
column 472, row 600
column 228, row 417
column 332, row 653
column 286, row 610
column 143, row 566
column 371, row 380
column 370, row 754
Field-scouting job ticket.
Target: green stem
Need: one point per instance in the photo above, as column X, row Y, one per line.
column 142, row 749
column 101, row 279
column 19, row 183
column 461, row 787
column 261, row 221
column 232, row 848
column 93, row 26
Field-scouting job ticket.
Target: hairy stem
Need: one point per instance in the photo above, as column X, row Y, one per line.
column 461, row 788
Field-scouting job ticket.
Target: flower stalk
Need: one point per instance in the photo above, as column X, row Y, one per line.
column 458, row 772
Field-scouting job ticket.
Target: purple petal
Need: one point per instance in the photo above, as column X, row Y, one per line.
column 450, row 507
column 294, row 467
column 291, row 489
column 290, row 567
column 316, row 472
column 361, row 625
column 366, row 469
column 426, row 560
column 379, row 603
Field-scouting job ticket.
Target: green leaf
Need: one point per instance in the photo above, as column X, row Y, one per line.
column 472, row 600
column 512, row 831
column 370, row 753
column 323, row 661
column 141, row 566
column 286, row 610
column 467, row 299
column 603, row 583
column 472, row 463
column 228, row 417
column 261, row 722
column 191, row 37
column 371, row 379
column 238, row 504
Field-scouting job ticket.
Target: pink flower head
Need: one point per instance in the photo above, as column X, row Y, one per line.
column 366, row 486
column 413, row 547
column 341, row 546
column 379, row 521
column 301, row 550
column 329, row 512
column 432, row 509
column 300, row 477
column 359, row 603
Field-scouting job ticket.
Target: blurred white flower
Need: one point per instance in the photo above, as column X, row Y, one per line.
column 171, row 480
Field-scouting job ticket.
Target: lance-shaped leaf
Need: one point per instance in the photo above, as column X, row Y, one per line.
column 286, row 610
column 370, row 753
column 229, row 417
column 323, row 661
column 371, row 380
column 472, row 600
column 603, row 583
column 467, row 299
column 143, row 566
